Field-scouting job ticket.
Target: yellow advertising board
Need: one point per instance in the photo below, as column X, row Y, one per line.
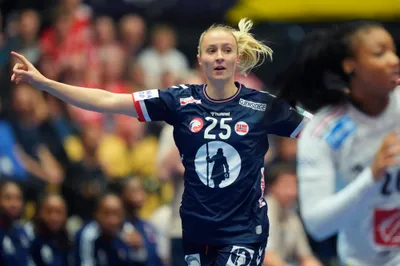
column 313, row 10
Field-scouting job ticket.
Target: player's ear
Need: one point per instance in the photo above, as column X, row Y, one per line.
column 198, row 59
column 349, row 66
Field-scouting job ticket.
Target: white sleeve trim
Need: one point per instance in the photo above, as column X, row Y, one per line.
column 86, row 250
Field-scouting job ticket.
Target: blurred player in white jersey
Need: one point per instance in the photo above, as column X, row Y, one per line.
column 349, row 154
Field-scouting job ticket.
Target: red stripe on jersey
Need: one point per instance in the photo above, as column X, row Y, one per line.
column 138, row 109
column 329, row 117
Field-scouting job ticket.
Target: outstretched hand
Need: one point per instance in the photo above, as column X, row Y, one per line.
column 24, row 71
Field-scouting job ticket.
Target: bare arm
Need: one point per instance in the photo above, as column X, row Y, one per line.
column 91, row 99
column 30, row 165
column 310, row 261
column 50, row 165
column 273, row 259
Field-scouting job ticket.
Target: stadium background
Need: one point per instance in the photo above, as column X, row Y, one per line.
column 120, row 146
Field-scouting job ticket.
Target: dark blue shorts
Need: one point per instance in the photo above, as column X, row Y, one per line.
column 232, row 255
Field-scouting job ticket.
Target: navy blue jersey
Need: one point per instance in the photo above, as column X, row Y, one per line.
column 149, row 235
column 14, row 247
column 222, row 146
column 45, row 253
column 91, row 249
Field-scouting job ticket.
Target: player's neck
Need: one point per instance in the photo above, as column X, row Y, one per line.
column 370, row 104
column 220, row 90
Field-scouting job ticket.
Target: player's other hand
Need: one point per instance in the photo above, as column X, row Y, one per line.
column 24, row 71
column 133, row 239
column 387, row 155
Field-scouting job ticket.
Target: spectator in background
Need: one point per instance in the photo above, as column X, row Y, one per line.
column 66, row 45
column 168, row 79
column 136, row 77
column 162, row 56
column 87, row 178
column 81, row 12
column 138, row 233
column 11, row 163
column 26, row 40
column 14, row 242
column 113, row 62
column 105, row 32
column 287, row 241
column 170, row 168
column 132, row 30
column 285, row 150
column 51, row 245
column 36, row 142
column 99, row 242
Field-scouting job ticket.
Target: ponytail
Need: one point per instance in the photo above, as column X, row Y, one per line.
column 309, row 81
column 316, row 78
column 252, row 52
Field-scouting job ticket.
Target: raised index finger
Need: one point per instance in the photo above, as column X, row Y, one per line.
column 21, row 58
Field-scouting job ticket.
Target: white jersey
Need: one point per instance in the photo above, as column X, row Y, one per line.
column 337, row 190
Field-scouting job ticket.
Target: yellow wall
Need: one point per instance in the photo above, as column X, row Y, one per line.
column 311, row 10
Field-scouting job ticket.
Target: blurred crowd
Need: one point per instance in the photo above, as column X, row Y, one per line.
column 75, row 156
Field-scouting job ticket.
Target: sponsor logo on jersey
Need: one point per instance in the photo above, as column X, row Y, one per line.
column 253, row 105
column 241, row 128
column 340, row 131
column 221, row 114
column 196, row 124
column 188, row 100
column 387, row 227
column 144, row 95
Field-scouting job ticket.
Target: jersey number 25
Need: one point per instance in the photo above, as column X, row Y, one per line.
column 223, row 125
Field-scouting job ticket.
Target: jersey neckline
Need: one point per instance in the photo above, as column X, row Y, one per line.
column 237, row 84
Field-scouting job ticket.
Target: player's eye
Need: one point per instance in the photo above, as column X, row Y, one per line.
column 379, row 53
column 211, row 50
column 228, row 50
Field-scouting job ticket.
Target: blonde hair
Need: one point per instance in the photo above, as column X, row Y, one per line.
column 252, row 52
